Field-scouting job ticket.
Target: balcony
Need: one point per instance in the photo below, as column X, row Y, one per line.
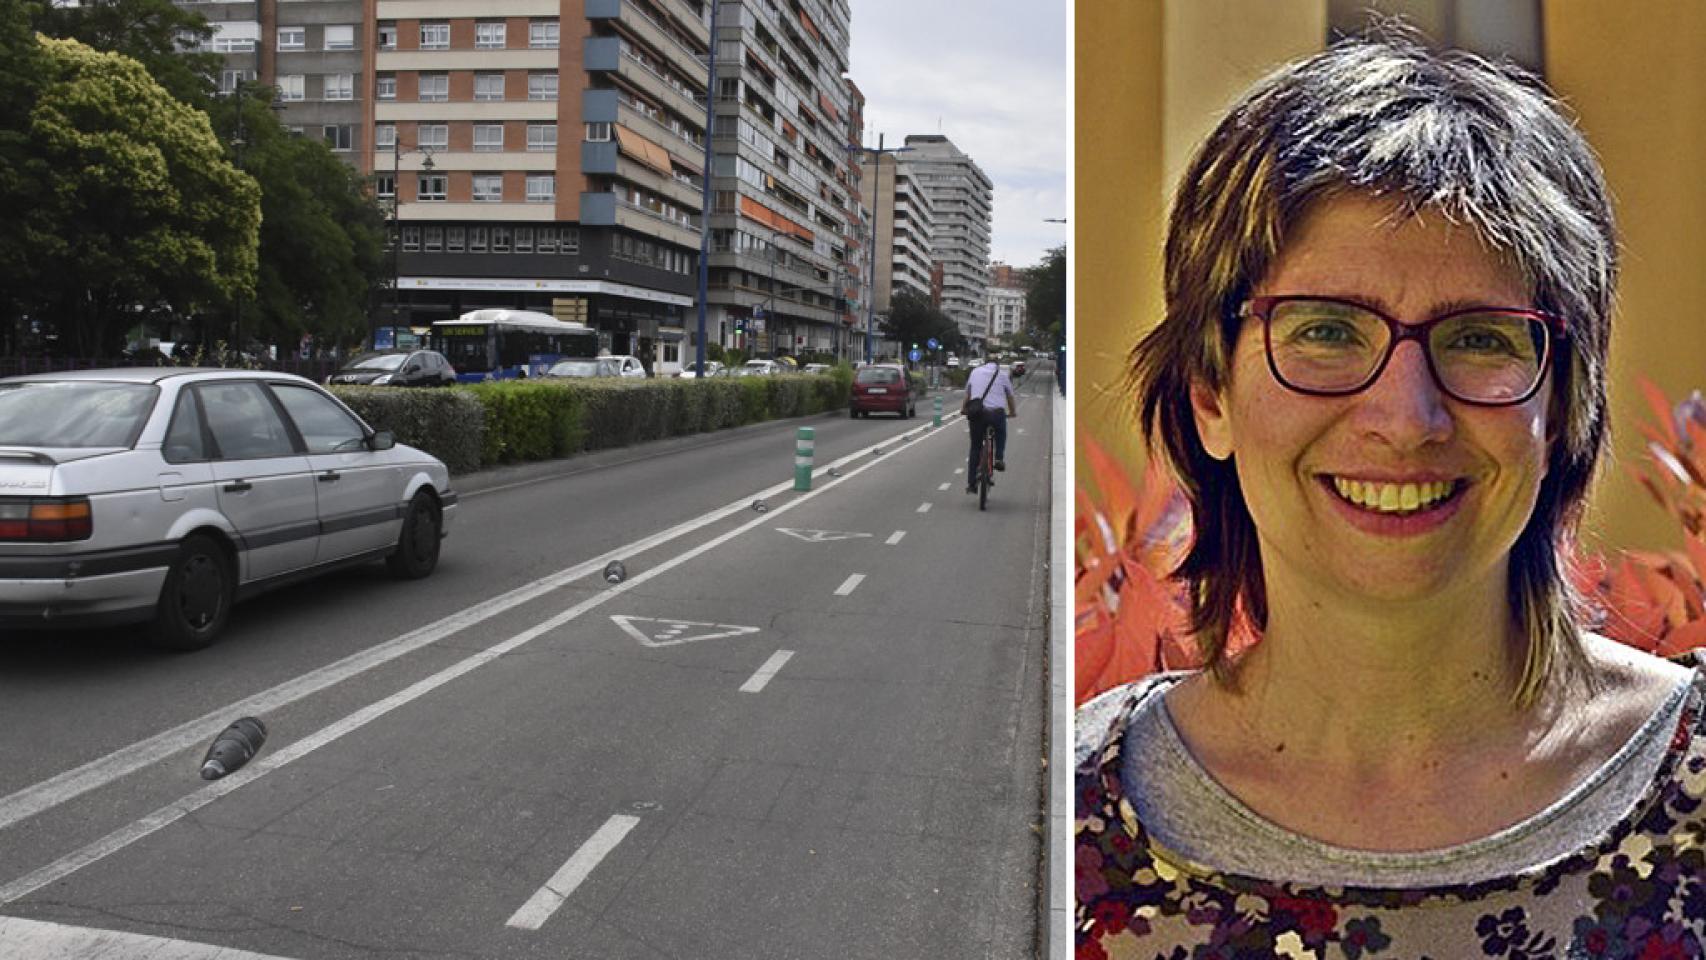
column 643, row 27
column 608, row 209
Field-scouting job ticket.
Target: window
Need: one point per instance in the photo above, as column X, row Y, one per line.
column 184, row 439
column 488, row 137
column 290, row 87
column 477, row 239
column 338, row 136
column 571, row 240
column 523, row 239
column 598, row 132
column 435, row 36
column 384, row 136
column 547, row 239
column 324, row 426
column 435, row 87
column 385, row 186
column 411, row 239
column 500, row 239
column 434, row 239
column 541, row 136
column 455, row 238
column 433, row 136
column 244, row 423
column 541, row 188
column 489, row 36
column 340, row 86
column 488, row 86
column 228, row 79
column 385, row 88
column 488, row 188
column 292, row 38
column 542, row 34
column 387, row 36
column 542, row 86
column 340, row 37
column 431, row 186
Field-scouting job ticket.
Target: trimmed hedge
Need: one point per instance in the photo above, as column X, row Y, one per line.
column 510, row 421
column 449, row 424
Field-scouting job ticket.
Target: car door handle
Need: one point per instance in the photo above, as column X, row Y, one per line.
column 330, row 476
column 240, row 486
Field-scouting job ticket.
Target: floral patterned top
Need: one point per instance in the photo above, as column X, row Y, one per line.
column 1639, row 893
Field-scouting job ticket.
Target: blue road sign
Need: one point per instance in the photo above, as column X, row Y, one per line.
column 934, row 345
column 913, row 355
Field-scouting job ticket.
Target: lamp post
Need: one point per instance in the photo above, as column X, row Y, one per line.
column 705, row 190
column 876, row 226
column 237, row 142
column 397, row 154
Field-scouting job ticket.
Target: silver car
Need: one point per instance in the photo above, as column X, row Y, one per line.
column 167, row 494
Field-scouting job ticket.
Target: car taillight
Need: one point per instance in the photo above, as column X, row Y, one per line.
column 46, row 520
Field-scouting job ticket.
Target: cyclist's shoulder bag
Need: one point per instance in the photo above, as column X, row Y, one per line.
column 973, row 407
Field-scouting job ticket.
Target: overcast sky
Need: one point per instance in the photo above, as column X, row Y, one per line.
column 991, row 76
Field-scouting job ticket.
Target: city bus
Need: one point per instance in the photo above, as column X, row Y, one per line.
column 507, row 344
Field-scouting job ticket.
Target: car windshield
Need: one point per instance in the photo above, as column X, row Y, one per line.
column 379, row 361
column 73, row 413
column 878, row 375
column 574, row 368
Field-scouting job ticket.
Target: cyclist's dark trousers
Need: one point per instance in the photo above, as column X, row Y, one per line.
column 992, row 415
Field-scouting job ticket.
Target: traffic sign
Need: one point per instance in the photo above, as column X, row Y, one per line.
column 913, row 355
column 934, row 345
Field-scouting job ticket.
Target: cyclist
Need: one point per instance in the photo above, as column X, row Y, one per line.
column 990, row 382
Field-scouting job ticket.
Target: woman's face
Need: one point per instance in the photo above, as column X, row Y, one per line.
column 1304, row 462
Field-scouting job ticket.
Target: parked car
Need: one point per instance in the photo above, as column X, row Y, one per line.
column 1018, row 368
column 816, row 368
column 881, row 388
column 580, row 367
column 713, row 368
column 758, row 368
column 953, row 362
column 397, row 368
column 166, row 494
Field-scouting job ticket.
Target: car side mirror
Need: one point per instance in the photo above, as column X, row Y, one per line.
column 381, row 440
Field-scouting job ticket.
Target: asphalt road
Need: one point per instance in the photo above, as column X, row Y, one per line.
column 814, row 731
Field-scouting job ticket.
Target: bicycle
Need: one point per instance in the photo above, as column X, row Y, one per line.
column 986, row 466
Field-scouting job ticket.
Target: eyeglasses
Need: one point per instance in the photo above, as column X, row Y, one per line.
column 1486, row 356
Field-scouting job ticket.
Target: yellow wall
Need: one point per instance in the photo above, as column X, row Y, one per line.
column 1153, row 76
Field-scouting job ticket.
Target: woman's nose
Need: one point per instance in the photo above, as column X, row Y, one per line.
column 1405, row 406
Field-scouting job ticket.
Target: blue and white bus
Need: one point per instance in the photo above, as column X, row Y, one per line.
column 508, row 344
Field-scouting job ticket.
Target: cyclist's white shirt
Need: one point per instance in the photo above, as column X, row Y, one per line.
column 978, row 382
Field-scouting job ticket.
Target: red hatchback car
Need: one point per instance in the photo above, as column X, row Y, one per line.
column 882, row 388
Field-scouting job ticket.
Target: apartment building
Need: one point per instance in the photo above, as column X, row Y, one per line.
column 784, row 216
column 1006, row 311
column 906, row 217
column 960, row 196
column 535, row 154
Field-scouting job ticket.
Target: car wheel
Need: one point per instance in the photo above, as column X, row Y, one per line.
column 417, row 545
column 196, row 601
column 852, row 414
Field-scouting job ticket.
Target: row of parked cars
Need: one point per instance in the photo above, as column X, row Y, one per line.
column 429, row 368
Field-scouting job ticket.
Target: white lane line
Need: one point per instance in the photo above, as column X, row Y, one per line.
column 944, row 486
column 757, row 681
column 959, row 469
column 924, row 507
column 178, row 809
column 36, row 938
column 548, row 898
column 849, row 585
column 894, row 538
column 97, row 773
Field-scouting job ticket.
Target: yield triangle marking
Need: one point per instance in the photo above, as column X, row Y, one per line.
column 820, row 536
column 668, row 632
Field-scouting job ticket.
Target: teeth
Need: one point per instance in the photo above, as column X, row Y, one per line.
column 1392, row 497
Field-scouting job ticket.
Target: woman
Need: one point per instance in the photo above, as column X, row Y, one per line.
column 1381, row 382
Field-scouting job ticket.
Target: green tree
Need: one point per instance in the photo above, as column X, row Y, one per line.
column 1045, row 295
column 147, row 31
column 141, row 212
column 23, row 175
column 322, row 240
column 914, row 319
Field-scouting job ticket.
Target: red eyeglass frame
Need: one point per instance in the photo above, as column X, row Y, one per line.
column 1262, row 307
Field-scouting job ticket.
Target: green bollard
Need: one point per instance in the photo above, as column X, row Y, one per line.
column 938, row 420
column 803, row 459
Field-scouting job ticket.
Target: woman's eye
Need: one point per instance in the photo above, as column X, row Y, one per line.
column 1325, row 333
column 1481, row 340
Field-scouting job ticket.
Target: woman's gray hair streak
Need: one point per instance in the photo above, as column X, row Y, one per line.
column 1476, row 142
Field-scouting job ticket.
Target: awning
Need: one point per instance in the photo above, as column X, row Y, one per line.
column 753, row 210
column 643, row 150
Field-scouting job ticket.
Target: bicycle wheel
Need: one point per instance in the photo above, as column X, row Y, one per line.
column 986, row 468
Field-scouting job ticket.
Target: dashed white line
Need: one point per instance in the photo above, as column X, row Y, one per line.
column 894, row 538
column 545, row 902
column 849, row 585
column 944, row 486
column 762, row 677
column 959, row 469
column 924, row 507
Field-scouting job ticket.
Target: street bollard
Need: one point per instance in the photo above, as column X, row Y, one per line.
column 803, row 459
column 938, row 419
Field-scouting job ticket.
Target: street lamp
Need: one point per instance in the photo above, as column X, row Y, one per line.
column 397, row 155
column 237, row 143
column 876, row 225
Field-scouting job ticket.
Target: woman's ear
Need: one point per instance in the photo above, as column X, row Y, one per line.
column 1214, row 427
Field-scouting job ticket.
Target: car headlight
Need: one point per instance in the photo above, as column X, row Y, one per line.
column 382, row 379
